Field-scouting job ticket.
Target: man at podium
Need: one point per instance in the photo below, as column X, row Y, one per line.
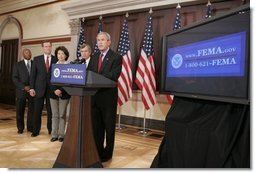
column 104, row 104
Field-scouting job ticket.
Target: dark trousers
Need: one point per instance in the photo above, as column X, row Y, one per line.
column 103, row 121
column 20, row 111
column 37, row 120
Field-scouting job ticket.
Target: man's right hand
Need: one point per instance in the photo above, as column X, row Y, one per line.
column 27, row 88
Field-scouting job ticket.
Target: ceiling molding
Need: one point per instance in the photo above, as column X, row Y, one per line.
column 89, row 8
column 10, row 6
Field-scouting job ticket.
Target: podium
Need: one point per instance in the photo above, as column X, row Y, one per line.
column 79, row 149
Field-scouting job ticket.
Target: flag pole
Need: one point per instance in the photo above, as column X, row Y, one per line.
column 144, row 131
column 119, row 118
column 119, row 127
column 142, row 76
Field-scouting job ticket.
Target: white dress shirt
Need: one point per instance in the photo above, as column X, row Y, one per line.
column 87, row 62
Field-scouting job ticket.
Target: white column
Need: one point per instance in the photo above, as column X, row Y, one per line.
column 75, row 28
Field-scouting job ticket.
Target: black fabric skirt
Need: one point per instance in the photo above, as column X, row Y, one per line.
column 205, row 134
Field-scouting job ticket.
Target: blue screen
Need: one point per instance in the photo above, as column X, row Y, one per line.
column 221, row 56
column 209, row 59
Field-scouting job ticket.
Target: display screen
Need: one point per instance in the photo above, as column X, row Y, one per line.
column 222, row 56
column 209, row 60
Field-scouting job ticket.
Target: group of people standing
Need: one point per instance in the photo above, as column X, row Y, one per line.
column 32, row 81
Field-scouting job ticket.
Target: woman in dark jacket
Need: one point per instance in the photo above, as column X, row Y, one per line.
column 59, row 100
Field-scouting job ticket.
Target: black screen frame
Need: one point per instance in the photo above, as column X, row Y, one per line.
column 230, row 99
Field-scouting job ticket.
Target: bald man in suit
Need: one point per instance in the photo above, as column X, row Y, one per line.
column 104, row 104
column 20, row 77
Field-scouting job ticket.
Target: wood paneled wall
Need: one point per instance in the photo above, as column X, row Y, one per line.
column 163, row 20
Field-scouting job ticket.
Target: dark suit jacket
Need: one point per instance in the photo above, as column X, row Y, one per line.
column 89, row 64
column 65, row 95
column 110, row 68
column 20, row 78
column 39, row 78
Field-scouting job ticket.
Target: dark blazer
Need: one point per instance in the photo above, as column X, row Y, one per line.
column 20, row 77
column 110, row 68
column 65, row 95
column 89, row 64
column 40, row 79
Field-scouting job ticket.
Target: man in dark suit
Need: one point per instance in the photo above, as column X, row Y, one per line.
column 104, row 104
column 20, row 77
column 85, row 50
column 40, row 86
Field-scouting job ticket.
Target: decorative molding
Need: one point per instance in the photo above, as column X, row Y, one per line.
column 53, row 40
column 74, row 26
column 10, row 6
column 89, row 8
column 11, row 19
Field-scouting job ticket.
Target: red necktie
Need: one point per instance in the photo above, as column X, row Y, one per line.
column 47, row 64
column 100, row 62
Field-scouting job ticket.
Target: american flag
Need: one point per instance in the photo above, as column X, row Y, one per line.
column 145, row 75
column 177, row 22
column 177, row 25
column 81, row 37
column 125, row 80
column 100, row 29
column 170, row 99
column 209, row 10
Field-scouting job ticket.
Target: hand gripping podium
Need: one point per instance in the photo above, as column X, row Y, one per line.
column 79, row 149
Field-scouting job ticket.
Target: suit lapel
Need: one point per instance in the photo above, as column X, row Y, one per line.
column 53, row 60
column 24, row 67
column 43, row 63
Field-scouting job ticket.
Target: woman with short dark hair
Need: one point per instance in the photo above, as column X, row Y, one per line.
column 59, row 100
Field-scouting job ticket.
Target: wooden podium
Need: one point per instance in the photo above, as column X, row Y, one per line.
column 78, row 149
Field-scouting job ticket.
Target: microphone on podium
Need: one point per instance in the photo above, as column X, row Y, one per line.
column 78, row 61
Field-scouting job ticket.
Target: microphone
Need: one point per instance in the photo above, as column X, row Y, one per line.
column 78, row 61
column 74, row 61
column 82, row 61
